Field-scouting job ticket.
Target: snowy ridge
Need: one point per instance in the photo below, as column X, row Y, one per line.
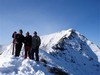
column 52, row 39
column 73, row 47
column 67, row 50
column 4, row 47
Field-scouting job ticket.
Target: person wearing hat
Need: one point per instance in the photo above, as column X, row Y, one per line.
column 19, row 41
column 36, row 41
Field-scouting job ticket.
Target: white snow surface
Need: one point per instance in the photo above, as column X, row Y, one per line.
column 68, row 50
column 52, row 39
column 19, row 66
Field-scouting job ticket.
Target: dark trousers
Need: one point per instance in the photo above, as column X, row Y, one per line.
column 27, row 51
column 36, row 52
column 18, row 49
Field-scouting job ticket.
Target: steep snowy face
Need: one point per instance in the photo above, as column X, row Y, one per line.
column 64, row 39
column 76, row 42
column 70, row 40
column 48, row 41
column 78, row 55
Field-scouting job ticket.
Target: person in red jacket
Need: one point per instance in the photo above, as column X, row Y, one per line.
column 27, row 44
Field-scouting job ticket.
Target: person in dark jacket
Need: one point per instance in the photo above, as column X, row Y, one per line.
column 19, row 41
column 27, row 44
column 36, row 41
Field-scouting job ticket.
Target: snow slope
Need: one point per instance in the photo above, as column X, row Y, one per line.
column 11, row 65
column 18, row 66
column 79, row 55
column 69, row 39
column 3, row 47
column 67, row 50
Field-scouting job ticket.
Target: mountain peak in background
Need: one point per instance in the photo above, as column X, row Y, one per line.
column 67, row 52
column 55, row 38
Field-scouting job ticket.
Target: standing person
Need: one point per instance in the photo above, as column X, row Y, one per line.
column 14, row 41
column 27, row 44
column 19, row 41
column 36, row 41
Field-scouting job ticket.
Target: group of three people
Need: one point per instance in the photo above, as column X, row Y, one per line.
column 31, row 44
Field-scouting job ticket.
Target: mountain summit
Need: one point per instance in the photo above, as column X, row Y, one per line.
column 65, row 39
column 63, row 53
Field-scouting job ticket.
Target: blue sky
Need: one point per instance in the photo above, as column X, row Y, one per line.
column 49, row 16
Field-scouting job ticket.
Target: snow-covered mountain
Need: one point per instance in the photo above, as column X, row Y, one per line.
column 70, row 40
column 63, row 53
